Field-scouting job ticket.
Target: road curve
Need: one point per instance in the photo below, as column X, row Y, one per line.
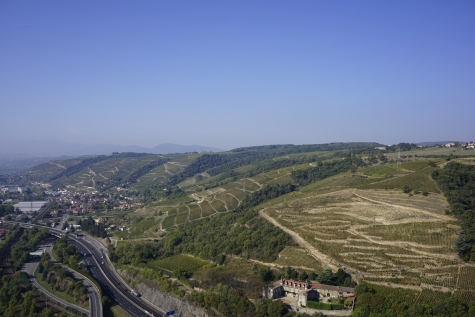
column 30, row 269
column 95, row 303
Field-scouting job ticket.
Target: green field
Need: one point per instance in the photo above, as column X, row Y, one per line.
column 168, row 222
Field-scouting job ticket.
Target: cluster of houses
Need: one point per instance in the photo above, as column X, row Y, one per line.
column 468, row 145
column 86, row 203
column 465, row 146
column 305, row 291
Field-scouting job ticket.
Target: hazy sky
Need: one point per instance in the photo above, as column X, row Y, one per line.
column 237, row 73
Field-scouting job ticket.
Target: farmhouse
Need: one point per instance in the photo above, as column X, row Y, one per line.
column 304, row 291
column 301, row 290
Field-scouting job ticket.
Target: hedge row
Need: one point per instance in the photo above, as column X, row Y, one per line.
column 318, row 305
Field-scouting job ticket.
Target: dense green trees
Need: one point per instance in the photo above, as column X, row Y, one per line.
column 6, row 210
column 457, row 181
column 91, row 227
column 402, row 146
column 230, row 302
column 145, row 169
column 242, row 233
column 15, row 288
column 372, row 302
column 326, row 169
column 60, row 279
column 267, row 193
column 66, row 252
column 20, row 252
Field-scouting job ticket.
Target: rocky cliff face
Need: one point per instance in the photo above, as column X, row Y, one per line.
column 165, row 301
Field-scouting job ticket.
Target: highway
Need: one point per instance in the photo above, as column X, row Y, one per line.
column 106, row 276
column 110, row 283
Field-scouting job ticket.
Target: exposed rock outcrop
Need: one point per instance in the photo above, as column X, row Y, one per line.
column 164, row 300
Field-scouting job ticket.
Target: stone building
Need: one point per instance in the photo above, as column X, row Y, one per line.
column 301, row 290
column 304, row 291
column 333, row 291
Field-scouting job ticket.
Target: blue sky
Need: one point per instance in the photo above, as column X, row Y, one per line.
column 237, row 73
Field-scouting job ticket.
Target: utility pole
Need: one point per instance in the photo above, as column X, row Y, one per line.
column 398, row 162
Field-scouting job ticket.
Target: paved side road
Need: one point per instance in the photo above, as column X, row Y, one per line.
column 95, row 302
column 30, row 269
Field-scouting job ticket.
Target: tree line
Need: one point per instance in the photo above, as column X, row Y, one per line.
column 326, row 169
column 29, row 240
column 6, row 210
column 371, row 301
column 66, row 252
column 457, row 181
column 267, row 193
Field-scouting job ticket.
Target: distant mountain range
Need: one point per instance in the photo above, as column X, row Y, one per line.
column 52, row 148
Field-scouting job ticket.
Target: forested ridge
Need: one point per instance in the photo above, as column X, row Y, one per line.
column 457, row 181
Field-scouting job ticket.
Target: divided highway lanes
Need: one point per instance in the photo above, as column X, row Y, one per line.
column 105, row 276
column 110, row 283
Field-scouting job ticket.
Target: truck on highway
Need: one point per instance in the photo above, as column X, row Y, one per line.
column 135, row 293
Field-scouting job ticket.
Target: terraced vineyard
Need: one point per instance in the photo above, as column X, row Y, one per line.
column 381, row 236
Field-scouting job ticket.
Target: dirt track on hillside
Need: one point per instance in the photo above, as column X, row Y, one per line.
column 325, row 260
